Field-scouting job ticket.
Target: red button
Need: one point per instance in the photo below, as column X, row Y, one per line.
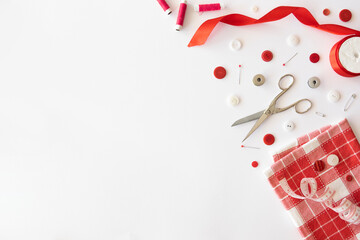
column 326, row 11
column 255, row 164
column 220, row 72
column 345, row 15
column 267, row 56
column 349, row 178
column 319, row 166
column 269, row 139
column 314, row 58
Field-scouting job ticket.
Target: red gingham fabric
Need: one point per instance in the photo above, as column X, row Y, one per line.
column 314, row 220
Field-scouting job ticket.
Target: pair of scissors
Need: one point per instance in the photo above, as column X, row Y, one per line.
column 272, row 109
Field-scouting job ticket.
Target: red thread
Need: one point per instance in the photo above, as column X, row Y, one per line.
column 209, row 7
column 181, row 15
column 302, row 14
column 164, row 6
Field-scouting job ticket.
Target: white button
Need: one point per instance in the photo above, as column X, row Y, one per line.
column 333, row 96
column 293, row 40
column 289, row 126
column 255, row 9
column 333, row 160
column 235, row 45
column 233, row 100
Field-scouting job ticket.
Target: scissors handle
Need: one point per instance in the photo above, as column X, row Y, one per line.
column 296, row 105
column 285, row 86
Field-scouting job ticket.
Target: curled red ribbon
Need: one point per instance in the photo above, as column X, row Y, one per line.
column 302, row 14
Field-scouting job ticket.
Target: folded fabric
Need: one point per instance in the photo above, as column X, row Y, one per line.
column 317, row 179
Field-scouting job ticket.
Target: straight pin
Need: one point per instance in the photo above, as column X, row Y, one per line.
column 289, row 59
column 243, row 146
column 239, row 73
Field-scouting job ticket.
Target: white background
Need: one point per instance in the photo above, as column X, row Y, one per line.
column 111, row 128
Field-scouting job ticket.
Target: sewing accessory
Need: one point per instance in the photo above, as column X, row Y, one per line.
column 269, row 139
column 243, row 146
column 258, row 80
column 332, row 160
column 165, row 6
column 326, row 12
column 208, row 7
column 181, row 15
column 345, row 15
column 272, row 109
column 293, row 40
column 333, row 96
column 314, row 58
column 239, row 73
column 345, row 57
column 349, row 102
column 254, row 164
column 314, row 82
column 267, row 56
column 349, row 178
column 320, row 203
column 319, row 165
column 219, row 72
column 235, row 45
column 254, row 9
column 289, row 126
column 289, row 59
column 300, row 13
column 320, row 114
column 233, row 100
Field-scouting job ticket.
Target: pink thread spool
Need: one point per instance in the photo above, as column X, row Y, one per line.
column 181, row 15
column 165, row 6
column 208, row 7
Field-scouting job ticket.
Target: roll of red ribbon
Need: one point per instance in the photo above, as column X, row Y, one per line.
column 340, row 62
column 345, row 56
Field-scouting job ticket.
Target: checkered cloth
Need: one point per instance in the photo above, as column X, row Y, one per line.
column 315, row 220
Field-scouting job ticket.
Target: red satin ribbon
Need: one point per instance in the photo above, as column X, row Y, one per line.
column 335, row 61
column 302, row 14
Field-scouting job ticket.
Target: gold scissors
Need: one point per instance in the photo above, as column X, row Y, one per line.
column 272, row 109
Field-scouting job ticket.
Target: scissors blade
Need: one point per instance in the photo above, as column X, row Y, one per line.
column 257, row 124
column 248, row 118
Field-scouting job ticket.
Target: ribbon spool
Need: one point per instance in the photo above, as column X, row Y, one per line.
column 345, row 56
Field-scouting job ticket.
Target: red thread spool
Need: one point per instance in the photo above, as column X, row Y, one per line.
column 165, row 6
column 208, row 7
column 181, row 15
column 341, row 60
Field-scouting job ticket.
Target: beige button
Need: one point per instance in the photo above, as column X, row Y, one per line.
column 233, row 100
column 333, row 160
column 258, row 80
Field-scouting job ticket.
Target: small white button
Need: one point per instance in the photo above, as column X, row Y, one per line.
column 255, row 9
column 293, row 40
column 333, row 160
column 235, row 45
column 289, row 126
column 333, row 96
column 233, row 100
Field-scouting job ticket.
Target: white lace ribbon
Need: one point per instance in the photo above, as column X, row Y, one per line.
column 347, row 210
